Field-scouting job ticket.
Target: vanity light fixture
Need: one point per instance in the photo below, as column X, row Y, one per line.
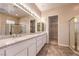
column 30, row 11
column 21, row 8
column 75, row 19
column 10, row 22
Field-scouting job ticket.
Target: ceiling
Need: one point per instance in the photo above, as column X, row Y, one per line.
column 12, row 10
column 46, row 6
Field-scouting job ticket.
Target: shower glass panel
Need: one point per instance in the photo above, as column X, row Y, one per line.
column 74, row 33
column 77, row 28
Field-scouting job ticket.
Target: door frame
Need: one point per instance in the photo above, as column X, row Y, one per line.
column 48, row 26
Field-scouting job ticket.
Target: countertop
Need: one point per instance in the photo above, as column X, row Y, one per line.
column 10, row 41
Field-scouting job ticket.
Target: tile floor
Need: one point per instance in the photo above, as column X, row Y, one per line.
column 52, row 49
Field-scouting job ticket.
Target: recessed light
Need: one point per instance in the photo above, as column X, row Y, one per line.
column 16, row 14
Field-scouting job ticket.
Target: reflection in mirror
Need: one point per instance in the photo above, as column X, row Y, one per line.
column 32, row 26
column 13, row 21
column 40, row 26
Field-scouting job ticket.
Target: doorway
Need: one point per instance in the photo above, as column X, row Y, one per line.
column 53, row 29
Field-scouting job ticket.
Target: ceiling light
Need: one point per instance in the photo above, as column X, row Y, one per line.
column 16, row 14
column 22, row 9
column 75, row 20
column 30, row 10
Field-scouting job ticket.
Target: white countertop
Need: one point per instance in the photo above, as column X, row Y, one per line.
column 9, row 41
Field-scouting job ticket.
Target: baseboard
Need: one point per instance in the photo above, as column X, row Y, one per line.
column 63, row 45
column 74, row 51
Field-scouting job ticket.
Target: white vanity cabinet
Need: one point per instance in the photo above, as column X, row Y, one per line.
column 27, row 47
column 22, row 53
column 41, row 40
column 32, row 47
column 44, row 38
column 39, row 43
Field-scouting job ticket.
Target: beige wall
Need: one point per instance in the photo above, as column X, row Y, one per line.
column 3, row 19
column 64, row 13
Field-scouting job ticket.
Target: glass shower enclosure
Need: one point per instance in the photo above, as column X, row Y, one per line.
column 74, row 33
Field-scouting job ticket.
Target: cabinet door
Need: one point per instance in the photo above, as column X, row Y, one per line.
column 22, row 53
column 39, row 44
column 16, row 48
column 44, row 39
column 39, row 41
column 32, row 50
column 2, row 52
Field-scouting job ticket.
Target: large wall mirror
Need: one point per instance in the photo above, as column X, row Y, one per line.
column 14, row 20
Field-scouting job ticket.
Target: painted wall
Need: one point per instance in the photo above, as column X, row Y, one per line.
column 65, row 13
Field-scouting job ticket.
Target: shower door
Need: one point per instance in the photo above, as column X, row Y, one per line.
column 77, row 35
column 72, row 34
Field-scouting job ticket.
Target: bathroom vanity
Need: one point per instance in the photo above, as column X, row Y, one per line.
column 26, row 45
column 20, row 35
